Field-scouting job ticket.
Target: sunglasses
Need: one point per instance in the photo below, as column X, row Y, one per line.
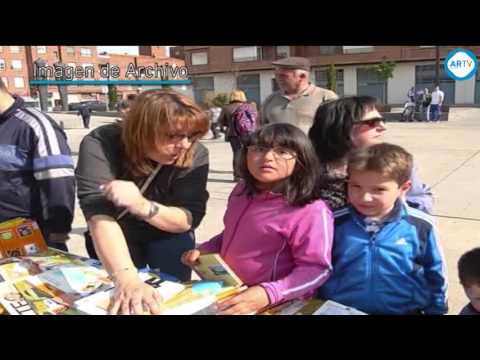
column 371, row 122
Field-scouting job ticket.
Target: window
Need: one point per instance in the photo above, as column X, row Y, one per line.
column 321, row 80
column 425, row 78
column 200, row 58
column 19, row 82
column 368, row 83
column 357, row 49
column 70, row 50
column 41, row 49
column 246, row 53
column 2, row 64
column 250, row 85
column 330, row 50
column 85, row 52
column 16, row 64
column 201, row 87
column 5, row 81
column 15, row 49
column 282, row 51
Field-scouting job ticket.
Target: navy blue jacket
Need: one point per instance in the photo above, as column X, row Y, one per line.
column 396, row 268
column 36, row 169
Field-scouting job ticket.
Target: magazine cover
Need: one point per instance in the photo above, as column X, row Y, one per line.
column 20, row 237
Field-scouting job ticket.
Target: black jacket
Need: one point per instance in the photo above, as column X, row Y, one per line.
column 101, row 160
column 36, row 170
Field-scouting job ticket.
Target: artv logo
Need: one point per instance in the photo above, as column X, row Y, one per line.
column 461, row 64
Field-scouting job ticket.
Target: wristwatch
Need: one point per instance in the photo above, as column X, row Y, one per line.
column 154, row 209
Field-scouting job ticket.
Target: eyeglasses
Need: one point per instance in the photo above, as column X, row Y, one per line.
column 174, row 137
column 278, row 151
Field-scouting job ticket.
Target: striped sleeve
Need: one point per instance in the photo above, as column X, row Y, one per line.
column 53, row 169
column 311, row 246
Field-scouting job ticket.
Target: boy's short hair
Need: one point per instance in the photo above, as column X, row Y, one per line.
column 392, row 161
column 469, row 268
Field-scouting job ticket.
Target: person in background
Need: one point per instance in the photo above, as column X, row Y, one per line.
column 298, row 99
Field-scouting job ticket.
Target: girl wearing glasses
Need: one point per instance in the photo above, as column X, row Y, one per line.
column 278, row 233
column 345, row 124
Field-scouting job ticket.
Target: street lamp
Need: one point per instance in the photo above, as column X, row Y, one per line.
column 42, row 89
column 62, row 89
column 437, row 66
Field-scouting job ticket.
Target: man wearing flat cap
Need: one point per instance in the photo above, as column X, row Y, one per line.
column 297, row 100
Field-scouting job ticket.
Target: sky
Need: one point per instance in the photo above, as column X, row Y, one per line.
column 130, row 50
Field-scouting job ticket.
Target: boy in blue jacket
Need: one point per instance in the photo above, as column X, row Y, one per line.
column 386, row 255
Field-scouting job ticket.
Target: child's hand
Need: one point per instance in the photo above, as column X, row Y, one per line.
column 248, row 302
column 190, row 257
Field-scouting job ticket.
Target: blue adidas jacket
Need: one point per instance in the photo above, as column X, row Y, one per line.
column 36, row 170
column 397, row 270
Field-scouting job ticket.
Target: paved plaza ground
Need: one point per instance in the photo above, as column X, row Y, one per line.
column 447, row 154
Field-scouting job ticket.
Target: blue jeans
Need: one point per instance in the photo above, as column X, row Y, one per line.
column 435, row 112
column 162, row 254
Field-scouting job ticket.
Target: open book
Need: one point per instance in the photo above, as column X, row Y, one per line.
column 98, row 303
column 212, row 267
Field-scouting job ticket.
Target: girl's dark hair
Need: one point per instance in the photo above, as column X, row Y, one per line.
column 299, row 188
column 332, row 126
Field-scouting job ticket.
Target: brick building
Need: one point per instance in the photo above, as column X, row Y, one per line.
column 223, row 68
column 17, row 69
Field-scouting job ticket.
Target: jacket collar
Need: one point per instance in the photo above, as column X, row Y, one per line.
column 399, row 211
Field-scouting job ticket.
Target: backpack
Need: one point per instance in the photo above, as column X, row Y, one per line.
column 244, row 120
column 428, row 100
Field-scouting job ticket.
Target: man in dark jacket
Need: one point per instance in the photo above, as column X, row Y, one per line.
column 85, row 112
column 36, row 170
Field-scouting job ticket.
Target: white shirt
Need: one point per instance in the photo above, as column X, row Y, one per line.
column 437, row 97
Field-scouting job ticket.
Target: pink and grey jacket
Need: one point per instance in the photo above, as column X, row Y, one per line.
column 285, row 249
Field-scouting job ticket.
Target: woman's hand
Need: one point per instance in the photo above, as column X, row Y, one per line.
column 190, row 257
column 250, row 301
column 133, row 297
column 126, row 194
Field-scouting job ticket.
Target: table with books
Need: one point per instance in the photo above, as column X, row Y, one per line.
column 37, row 280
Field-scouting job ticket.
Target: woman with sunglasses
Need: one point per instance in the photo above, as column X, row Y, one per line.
column 343, row 125
column 159, row 141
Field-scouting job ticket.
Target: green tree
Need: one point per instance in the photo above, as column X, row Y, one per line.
column 332, row 78
column 220, row 100
column 112, row 97
column 384, row 71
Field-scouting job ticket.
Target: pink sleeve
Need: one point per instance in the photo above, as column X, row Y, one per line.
column 311, row 247
column 213, row 245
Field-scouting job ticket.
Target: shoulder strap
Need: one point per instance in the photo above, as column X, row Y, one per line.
column 144, row 187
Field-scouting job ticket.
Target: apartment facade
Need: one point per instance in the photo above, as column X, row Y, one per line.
column 220, row 69
column 17, row 65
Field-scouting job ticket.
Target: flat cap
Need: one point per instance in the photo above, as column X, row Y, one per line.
column 293, row 62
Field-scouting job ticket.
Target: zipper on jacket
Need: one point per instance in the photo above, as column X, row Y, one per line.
column 234, row 233
column 371, row 265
